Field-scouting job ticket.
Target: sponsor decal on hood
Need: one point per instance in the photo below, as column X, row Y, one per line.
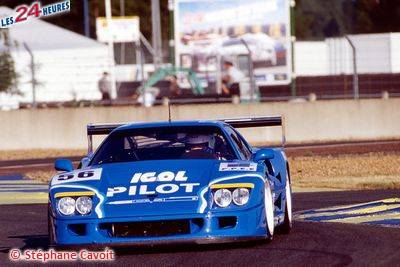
column 233, row 166
column 152, row 183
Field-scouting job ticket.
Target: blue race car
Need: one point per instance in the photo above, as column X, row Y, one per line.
column 172, row 182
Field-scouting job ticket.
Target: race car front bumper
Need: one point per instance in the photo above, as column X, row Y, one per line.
column 211, row 227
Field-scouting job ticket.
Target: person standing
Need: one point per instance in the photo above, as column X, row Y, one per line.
column 174, row 90
column 104, row 85
column 231, row 78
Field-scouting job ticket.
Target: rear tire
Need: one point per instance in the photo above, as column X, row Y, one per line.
column 269, row 212
column 287, row 224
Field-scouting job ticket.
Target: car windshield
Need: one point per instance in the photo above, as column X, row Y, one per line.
column 164, row 143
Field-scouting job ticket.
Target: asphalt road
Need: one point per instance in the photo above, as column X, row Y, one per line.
column 309, row 244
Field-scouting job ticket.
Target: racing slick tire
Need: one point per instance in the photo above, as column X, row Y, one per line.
column 269, row 212
column 287, row 224
column 50, row 229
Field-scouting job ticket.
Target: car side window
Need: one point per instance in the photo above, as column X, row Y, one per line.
column 246, row 146
column 240, row 146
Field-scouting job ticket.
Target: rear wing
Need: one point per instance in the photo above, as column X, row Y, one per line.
column 99, row 129
column 271, row 121
column 255, row 122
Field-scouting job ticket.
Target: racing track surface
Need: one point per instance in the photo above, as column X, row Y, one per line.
column 310, row 243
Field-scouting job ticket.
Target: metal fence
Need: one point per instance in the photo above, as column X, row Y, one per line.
column 326, row 69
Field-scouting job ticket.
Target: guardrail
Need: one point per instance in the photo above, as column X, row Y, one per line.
column 199, row 100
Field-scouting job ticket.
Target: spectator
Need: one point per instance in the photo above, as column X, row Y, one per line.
column 105, row 87
column 231, row 79
column 174, row 90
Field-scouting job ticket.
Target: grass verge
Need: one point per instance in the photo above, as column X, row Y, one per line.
column 40, row 153
column 364, row 171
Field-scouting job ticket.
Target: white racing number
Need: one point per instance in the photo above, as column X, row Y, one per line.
column 77, row 176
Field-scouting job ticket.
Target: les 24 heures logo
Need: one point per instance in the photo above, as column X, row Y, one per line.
column 24, row 12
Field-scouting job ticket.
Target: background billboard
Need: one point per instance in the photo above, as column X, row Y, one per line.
column 122, row 29
column 209, row 29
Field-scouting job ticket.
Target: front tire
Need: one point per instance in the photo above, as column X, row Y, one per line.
column 287, row 224
column 50, row 228
column 269, row 212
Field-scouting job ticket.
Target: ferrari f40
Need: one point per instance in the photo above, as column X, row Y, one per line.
column 172, row 182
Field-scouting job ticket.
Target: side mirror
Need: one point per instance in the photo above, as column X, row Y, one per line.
column 263, row 154
column 84, row 162
column 63, row 165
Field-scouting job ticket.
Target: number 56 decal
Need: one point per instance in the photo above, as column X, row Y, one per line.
column 76, row 176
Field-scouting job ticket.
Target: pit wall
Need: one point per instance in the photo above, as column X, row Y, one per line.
column 305, row 122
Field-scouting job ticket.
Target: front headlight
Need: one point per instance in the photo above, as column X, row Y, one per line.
column 66, row 206
column 223, row 197
column 240, row 196
column 84, row 205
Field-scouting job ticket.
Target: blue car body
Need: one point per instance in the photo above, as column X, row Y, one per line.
column 180, row 207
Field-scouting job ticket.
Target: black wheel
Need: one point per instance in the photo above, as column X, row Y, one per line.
column 287, row 224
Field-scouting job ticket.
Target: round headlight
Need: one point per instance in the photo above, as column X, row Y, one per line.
column 84, row 205
column 66, row 205
column 241, row 196
column 223, row 197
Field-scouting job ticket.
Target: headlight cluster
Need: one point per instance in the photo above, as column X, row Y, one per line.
column 224, row 197
column 81, row 205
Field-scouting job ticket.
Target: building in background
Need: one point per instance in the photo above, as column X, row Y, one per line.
column 327, row 69
column 67, row 65
column 375, row 54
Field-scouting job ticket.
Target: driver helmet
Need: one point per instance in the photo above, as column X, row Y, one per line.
column 198, row 140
